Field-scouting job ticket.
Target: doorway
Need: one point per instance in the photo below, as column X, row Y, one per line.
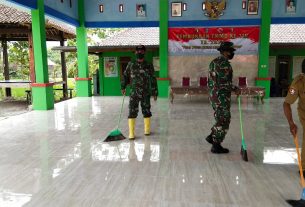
column 283, row 74
column 123, row 64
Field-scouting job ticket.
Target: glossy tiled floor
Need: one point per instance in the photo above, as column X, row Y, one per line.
column 57, row 158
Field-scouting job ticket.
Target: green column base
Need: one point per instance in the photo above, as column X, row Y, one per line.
column 264, row 82
column 83, row 88
column 43, row 98
column 163, row 88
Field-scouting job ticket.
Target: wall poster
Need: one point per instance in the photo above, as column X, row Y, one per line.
column 110, row 67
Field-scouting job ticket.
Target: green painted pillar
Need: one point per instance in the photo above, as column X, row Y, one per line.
column 163, row 80
column 83, row 82
column 42, row 90
column 263, row 63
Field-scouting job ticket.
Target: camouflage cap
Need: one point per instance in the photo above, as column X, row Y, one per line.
column 226, row 46
column 140, row 47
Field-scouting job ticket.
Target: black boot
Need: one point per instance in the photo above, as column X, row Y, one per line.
column 218, row 149
column 209, row 139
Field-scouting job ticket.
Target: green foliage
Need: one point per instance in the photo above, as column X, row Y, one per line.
column 94, row 36
column 19, row 59
column 54, row 56
column 71, row 60
column 100, row 34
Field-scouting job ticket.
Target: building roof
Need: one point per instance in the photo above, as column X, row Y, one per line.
column 148, row 36
column 15, row 23
column 125, row 40
column 280, row 35
column 287, row 33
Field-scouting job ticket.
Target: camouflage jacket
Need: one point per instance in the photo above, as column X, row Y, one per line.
column 142, row 79
column 220, row 77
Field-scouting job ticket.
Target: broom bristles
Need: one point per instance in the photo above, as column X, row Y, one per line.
column 296, row 203
column 114, row 135
column 244, row 154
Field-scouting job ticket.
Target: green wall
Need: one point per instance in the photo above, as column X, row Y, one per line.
column 111, row 86
column 284, row 51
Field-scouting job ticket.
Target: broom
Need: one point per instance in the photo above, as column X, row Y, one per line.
column 301, row 202
column 243, row 150
column 116, row 134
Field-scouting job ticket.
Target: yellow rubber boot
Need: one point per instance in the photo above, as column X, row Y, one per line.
column 131, row 123
column 147, row 126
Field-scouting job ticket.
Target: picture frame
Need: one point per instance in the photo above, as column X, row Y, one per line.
column 252, row 8
column 110, row 67
column 141, row 10
column 291, row 6
column 176, row 9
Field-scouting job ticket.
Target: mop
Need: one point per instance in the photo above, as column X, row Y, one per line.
column 301, row 202
column 116, row 134
column 243, row 150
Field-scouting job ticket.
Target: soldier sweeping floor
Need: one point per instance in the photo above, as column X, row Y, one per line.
column 220, row 87
column 143, row 85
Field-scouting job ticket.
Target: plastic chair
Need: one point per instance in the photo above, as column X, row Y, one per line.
column 242, row 82
column 185, row 81
column 203, row 81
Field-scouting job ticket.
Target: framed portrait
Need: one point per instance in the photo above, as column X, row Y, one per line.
column 291, row 6
column 176, row 9
column 252, row 7
column 110, row 67
column 141, row 10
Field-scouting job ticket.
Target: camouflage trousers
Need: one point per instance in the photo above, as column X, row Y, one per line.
column 134, row 106
column 222, row 117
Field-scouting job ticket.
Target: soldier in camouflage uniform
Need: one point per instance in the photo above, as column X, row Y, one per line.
column 220, row 87
column 297, row 91
column 143, row 85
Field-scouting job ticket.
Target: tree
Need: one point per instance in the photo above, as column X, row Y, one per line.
column 94, row 35
column 19, row 59
column 1, row 64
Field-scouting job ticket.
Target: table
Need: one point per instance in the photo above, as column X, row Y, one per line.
column 20, row 83
column 257, row 91
column 190, row 90
column 197, row 90
column 15, row 84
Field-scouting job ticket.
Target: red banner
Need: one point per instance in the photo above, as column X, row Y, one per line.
column 206, row 40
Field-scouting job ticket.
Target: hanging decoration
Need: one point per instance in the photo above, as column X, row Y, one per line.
column 214, row 8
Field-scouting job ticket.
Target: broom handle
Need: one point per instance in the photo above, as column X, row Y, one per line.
column 241, row 125
column 299, row 160
column 119, row 121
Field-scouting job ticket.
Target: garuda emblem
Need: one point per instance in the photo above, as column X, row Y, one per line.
column 214, row 8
